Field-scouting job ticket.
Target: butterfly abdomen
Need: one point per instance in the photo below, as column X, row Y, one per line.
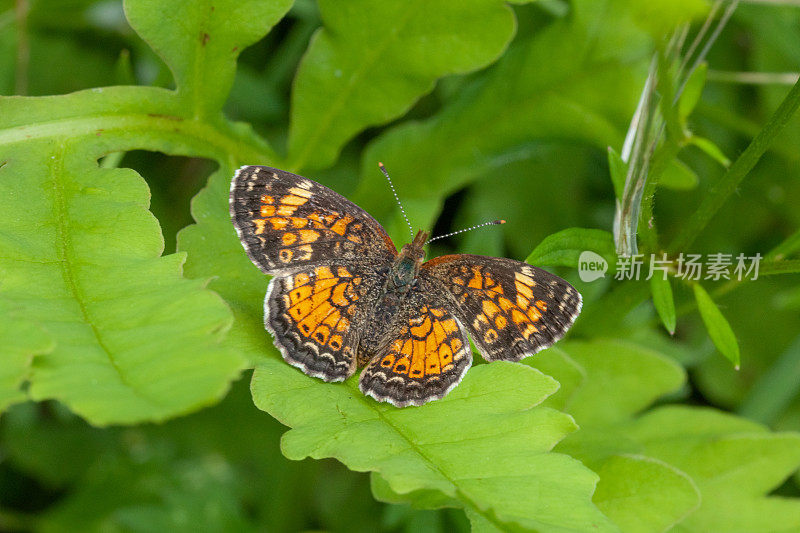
column 382, row 325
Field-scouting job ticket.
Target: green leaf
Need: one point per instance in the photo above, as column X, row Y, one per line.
column 215, row 251
column 636, row 375
column 661, row 290
column 734, row 463
column 678, row 176
column 604, row 384
column 372, row 61
column 134, row 341
column 159, row 495
column 29, row 431
column 434, row 447
column 731, row 461
column 787, row 266
column 717, row 326
column 618, row 170
column 565, row 247
column 660, row 17
column 787, row 247
column 200, row 41
column 642, row 494
column 692, row 91
column 710, row 149
column 420, row 499
column 789, row 300
column 22, row 341
column 511, row 109
column 228, row 454
column 535, row 172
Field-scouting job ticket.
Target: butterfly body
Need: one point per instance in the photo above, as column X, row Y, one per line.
column 406, row 267
column 342, row 297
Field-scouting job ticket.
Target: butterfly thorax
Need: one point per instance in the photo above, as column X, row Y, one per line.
column 405, row 268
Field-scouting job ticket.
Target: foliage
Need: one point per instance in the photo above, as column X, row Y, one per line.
column 479, row 109
column 412, row 453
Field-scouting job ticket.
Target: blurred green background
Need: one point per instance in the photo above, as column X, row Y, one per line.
column 222, row 467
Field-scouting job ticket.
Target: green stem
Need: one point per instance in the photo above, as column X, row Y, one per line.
column 646, row 224
column 206, row 139
column 647, row 228
column 767, row 268
column 790, row 245
column 728, row 183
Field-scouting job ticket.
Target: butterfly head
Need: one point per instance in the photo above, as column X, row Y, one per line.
column 414, row 250
column 406, row 266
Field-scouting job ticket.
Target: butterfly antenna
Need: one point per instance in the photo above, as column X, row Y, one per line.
column 492, row 223
column 403, row 211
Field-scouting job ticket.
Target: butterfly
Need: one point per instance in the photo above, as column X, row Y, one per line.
column 342, row 297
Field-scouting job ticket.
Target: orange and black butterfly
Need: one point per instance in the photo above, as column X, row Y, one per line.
column 342, row 297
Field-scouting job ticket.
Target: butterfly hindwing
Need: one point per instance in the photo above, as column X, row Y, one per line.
column 511, row 309
column 287, row 222
column 426, row 357
column 316, row 315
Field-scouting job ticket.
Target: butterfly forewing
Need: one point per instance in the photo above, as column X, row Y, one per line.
column 287, row 222
column 511, row 309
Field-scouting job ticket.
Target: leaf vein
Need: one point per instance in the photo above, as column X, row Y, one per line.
column 65, row 249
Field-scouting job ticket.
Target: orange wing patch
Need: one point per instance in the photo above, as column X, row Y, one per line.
column 310, row 318
column 429, row 356
column 497, row 312
column 511, row 309
column 319, row 304
column 297, row 237
column 426, row 348
column 285, row 221
column 299, row 233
